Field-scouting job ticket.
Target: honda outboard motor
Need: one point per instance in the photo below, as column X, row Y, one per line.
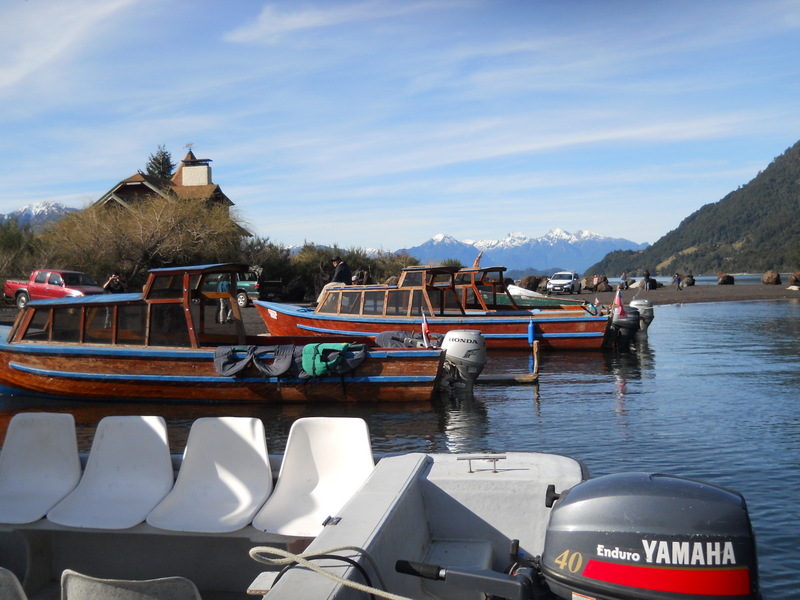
column 465, row 349
column 637, row 536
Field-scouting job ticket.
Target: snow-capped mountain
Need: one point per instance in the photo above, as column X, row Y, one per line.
column 38, row 215
column 557, row 249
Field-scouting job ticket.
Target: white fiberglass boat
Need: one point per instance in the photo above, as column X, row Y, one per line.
column 520, row 525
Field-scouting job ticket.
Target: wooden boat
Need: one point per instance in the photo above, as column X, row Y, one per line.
column 519, row 525
column 448, row 298
column 162, row 344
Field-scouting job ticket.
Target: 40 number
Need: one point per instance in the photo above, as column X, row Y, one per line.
column 571, row 561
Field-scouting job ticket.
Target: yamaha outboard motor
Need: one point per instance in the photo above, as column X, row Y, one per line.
column 637, row 536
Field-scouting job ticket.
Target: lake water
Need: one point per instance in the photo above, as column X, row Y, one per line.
column 713, row 394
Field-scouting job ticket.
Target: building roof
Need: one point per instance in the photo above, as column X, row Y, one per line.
column 198, row 186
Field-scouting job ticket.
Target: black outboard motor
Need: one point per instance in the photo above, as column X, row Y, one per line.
column 637, row 536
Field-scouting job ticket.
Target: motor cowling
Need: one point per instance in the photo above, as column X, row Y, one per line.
column 637, row 536
column 465, row 349
column 646, row 314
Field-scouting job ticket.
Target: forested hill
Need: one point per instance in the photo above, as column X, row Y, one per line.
column 751, row 230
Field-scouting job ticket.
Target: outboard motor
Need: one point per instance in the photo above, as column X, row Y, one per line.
column 625, row 326
column 637, row 536
column 465, row 349
column 646, row 315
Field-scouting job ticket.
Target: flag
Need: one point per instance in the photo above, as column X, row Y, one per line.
column 618, row 304
column 425, row 332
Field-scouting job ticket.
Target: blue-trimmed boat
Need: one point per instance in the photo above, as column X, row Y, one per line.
column 449, row 298
column 178, row 341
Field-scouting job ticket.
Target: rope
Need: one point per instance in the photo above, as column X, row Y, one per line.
column 300, row 559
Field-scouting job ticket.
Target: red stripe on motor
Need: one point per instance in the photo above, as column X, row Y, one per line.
column 733, row 581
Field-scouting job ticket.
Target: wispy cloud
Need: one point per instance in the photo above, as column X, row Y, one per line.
column 276, row 21
column 37, row 34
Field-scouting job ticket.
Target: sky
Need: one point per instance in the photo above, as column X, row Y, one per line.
column 381, row 123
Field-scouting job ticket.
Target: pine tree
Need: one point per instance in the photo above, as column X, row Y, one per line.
column 160, row 165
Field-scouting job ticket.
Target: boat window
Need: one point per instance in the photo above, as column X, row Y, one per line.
column 131, row 325
column 331, row 303
column 168, row 326
column 97, row 324
column 417, row 303
column 463, row 278
column 412, row 279
column 167, row 286
column 397, row 302
column 66, row 324
column 214, row 319
column 373, row 302
column 441, row 279
column 351, row 303
column 39, row 327
column 470, row 299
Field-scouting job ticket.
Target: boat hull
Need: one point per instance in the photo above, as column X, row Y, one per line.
column 119, row 373
column 555, row 330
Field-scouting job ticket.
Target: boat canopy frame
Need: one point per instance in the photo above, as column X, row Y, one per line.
column 173, row 310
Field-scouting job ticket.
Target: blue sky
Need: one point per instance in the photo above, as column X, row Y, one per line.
column 378, row 124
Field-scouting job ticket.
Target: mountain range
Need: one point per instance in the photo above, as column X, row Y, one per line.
column 39, row 214
column 556, row 250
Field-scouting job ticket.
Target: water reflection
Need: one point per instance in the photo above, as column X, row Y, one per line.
column 711, row 394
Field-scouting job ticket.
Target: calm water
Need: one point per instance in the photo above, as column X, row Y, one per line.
column 713, row 394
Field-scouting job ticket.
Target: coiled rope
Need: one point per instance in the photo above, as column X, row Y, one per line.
column 302, row 560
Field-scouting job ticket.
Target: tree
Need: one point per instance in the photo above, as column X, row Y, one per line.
column 160, row 165
column 17, row 246
column 154, row 232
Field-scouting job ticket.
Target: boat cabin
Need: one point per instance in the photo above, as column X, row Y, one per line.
column 175, row 309
column 434, row 291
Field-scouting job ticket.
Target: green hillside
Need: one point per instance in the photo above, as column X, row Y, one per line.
column 751, row 230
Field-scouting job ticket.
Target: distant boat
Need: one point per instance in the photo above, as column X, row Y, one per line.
column 526, row 298
column 448, row 298
column 179, row 341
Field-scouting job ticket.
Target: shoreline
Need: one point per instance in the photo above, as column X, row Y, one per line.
column 698, row 293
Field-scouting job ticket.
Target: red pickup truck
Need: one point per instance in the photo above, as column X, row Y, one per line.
column 50, row 283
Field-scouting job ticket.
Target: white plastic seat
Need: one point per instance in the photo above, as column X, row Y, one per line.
column 326, row 460
column 39, row 465
column 223, row 481
column 129, row 471
column 77, row 586
column 10, row 587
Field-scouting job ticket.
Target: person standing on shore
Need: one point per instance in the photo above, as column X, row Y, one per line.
column 677, row 281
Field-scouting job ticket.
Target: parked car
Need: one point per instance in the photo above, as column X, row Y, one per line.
column 564, row 282
column 50, row 283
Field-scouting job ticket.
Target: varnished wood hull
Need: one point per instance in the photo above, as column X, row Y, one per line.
column 126, row 373
column 555, row 330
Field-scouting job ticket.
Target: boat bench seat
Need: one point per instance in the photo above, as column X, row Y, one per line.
column 134, row 499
